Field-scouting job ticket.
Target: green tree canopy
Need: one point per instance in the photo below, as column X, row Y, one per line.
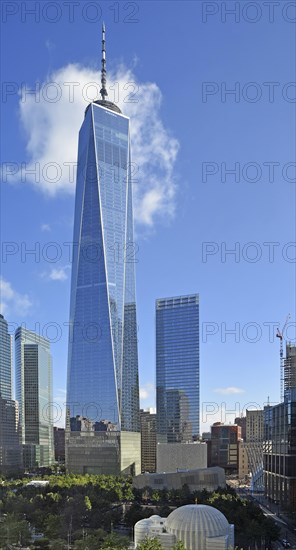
column 150, row 544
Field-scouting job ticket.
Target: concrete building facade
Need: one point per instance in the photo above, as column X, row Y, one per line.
column 197, row 480
column 171, row 457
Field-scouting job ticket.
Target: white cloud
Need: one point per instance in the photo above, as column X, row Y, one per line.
column 231, row 390
column 52, row 120
column 45, row 227
column 147, row 391
column 11, row 301
column 56, row 274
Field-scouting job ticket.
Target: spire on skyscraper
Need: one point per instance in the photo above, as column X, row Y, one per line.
column 103, row 90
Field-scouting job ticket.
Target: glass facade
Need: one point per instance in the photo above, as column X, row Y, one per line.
column 5, row 360
column 279, row 451
column 102, row 384
column 33, row 370
column 177, row 368
column 10, row 448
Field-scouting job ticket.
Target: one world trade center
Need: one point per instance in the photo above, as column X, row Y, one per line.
column 102, row 424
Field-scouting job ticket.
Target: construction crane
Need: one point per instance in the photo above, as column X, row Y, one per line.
column 280, row 335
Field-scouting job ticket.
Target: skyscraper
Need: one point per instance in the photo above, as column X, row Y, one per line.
column 177, row 368
column 33, row 371
column 10, row 450
column 5, row 360
column 279, row 440
column 102, row 385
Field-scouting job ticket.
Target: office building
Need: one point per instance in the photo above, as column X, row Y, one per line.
column 254, row 426
column 224, row 446
column 254, row 447
column 279, row 452
column 10, row 449
column 290, row 367
column 279, row 440
column 5, row 360
column 33, row 369
column 11, row 460
column 102, row 385
column 241, row 421
column 177, row 369
column 243, row 461
column 59, row 444
column 148, row 441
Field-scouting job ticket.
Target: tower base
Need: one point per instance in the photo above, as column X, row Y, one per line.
column 109, row 453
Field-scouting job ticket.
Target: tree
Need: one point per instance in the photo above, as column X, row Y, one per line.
column 135, row 513
column 150, row 544
column 115, row 540
column 57, row 544
column 14, row 531
column 179, row 546
column 52, row 527
column 87, row 504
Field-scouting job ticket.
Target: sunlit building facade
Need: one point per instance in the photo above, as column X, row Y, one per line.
column 177, row 368
column 148, row 441
column 103, row 386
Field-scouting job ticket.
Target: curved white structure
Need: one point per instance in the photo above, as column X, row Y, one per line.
column 198, row 526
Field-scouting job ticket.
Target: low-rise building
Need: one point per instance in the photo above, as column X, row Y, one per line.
column 196, row 480
column 172, row 457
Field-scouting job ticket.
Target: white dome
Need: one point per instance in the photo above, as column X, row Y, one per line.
column 148, row 527
column 193, row 524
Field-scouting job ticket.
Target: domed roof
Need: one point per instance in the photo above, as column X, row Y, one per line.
column 194, row 523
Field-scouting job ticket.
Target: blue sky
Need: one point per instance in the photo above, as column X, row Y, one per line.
column 181, row 58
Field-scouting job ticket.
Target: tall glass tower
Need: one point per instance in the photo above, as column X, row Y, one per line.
column 5, row 360
column 10, row 449
column 102, row 385
column 177, row 368
column 33, row 372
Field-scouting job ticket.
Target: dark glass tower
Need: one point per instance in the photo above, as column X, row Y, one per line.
column 177, row 368
column 102, row 386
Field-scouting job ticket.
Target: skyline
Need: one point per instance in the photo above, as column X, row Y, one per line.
column 165, row 240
